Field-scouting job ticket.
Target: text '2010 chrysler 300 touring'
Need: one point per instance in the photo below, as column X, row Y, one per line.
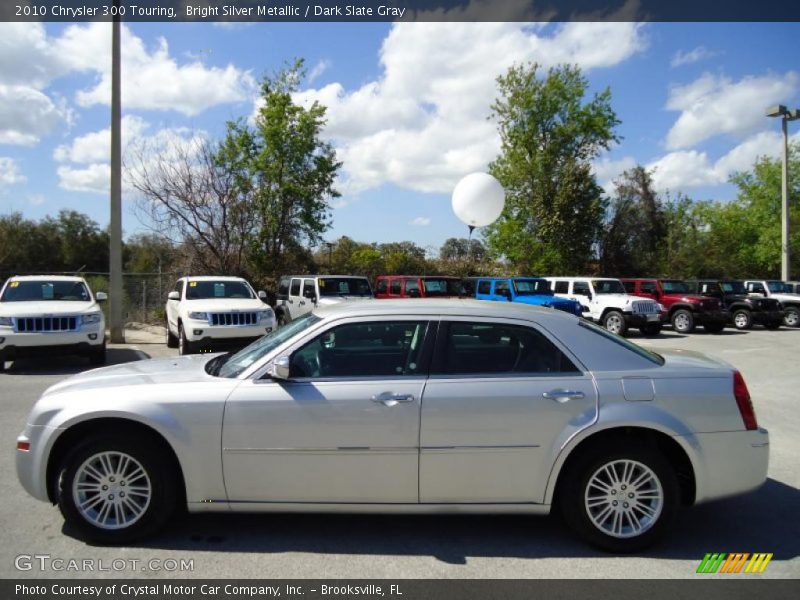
column 427, row 406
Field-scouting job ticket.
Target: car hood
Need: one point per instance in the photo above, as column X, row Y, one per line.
column 181, row 369
column 329, row 300
column 225, row 304
column 784, row 297
column 46, row 307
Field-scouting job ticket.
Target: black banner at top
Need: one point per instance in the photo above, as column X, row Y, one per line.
column 399, row 10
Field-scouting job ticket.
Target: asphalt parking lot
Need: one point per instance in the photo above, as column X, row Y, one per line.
column 334, row 546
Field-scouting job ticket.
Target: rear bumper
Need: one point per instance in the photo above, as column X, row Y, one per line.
column 730, row 463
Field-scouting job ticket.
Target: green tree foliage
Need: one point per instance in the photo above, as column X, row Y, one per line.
column 636, row 227
column 549, row 134
column 462, row 257
column 284, row 169
column 148, row 253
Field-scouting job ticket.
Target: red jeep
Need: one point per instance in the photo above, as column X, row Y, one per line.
column 417, row 286
column 684, row 309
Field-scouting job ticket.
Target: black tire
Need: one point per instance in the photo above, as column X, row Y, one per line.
column 682, row 321
column 573, row 492
column 159, row 475
column 2, row 365
column 742, row 319
column 791, row 316
column 773, row 325
column 184, row 346
column 97, row 356
column 281, row 319
column 614, row 321
column 172, row 340
column 651, row 329
column 714, row 327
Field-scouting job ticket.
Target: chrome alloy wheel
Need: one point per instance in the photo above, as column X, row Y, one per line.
column 740, row 320
column 111, row 490
column 681, row 322
column 624, row 498
column 614, row 324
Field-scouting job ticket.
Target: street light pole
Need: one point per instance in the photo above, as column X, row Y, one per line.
column 115, row 226
column 786, row 116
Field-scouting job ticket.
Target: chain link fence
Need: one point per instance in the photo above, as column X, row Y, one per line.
column 144, row 294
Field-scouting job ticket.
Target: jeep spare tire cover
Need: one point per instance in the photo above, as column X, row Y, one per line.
column 478, row 199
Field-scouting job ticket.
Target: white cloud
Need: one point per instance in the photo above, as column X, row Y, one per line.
column 607, row 170
column 692, row 56
column 420, row 222
column 26, row 115
column 689, row 168
column 93, row 178
column 423, row 123
column 713, row 105
column 36, row 199
column 10, row 172
column 318, row 69
column 96, row 146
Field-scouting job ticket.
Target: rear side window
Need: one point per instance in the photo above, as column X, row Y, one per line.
column 295, row 291
column 485, row 287
column 497, row 348
column 561, row 287
column 581, row 288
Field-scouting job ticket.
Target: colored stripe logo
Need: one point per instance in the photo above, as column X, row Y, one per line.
column 734, row 562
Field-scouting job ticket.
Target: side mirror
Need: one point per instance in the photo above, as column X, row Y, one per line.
column 101, row 296
column 413, row 293
column 279, row 369
column 173, row 295
column 262, row 294
column 310, row 295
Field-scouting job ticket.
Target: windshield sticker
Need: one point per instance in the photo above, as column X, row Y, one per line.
column 322, row 283
column 47, row 291
column 219, row 290
column 192, row 284
column 14, row 284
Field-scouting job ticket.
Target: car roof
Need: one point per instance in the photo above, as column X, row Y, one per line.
column 46, row 277
column 443, row 306
column 423, row 277
column 493, row 278
column 592, row 277
column 213, row 278
column 319, row 276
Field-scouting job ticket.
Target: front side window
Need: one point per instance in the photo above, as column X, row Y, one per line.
column 37, row 291
column 778, row 287
column 532, row 287
column 295, row 289
column 608, row 286
column 412, row 288
column 383, row 287
column 501, row 288
column 375, row 349
column 648, row 287
column 733, row 287
column 309, row 290
column 345, row 286
column 394, row 288
column 493, row 348
column 485, row 287
column 208, row 289
column 630, row 286
column 441, row 287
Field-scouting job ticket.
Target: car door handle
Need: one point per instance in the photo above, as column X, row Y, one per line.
column 563, row 395
column 391, row 399
column 302, row 302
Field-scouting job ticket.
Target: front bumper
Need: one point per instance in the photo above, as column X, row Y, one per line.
column 18, row 345
column 201, row 331
column 642, row 319
column 730, row 463
column 767, row 316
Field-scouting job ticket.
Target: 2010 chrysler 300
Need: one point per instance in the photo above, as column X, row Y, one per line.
column 427, row 406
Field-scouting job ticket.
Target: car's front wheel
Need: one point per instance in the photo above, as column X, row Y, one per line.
column 683, row 321
column 742, row 319
column 116, row 489
column 172, row 340
column 614, row 321
column 97, row 356
column 621, row 500
column 184, row 345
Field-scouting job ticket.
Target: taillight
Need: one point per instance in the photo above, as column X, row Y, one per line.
column 743, row 402
column 23, row 446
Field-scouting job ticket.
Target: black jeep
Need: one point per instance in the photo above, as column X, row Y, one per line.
column 744, row 310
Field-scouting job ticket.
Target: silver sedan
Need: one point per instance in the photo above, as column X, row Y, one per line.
column 401, row 406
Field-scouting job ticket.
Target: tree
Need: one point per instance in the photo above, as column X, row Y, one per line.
column 549, row 136
column 462, row 256
column 148, row 253
column 285, row 171
column 631, row 243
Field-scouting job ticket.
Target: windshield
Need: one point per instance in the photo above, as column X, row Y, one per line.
column 532, row 287
column 733, row 287
column 344, row 286
column 778, row 287
column 608, row 286
column 675, row 287
column 37, row 291
column 442, row 287
column 208, row 289
column 231, row 365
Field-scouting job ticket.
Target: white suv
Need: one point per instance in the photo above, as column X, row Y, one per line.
column 300, row 294
column 51, row 315
column 782, row 292
column 608, row 304
column 215, row 311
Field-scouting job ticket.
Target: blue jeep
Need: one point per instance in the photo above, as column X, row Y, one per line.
column 528, row 290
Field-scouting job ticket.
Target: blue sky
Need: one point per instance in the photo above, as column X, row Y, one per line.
column 407, row 104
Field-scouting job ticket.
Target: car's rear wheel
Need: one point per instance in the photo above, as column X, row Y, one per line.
column 172, row 340
column 614, row 321
column 791, row 316
column 714, row 327
column 184, row 345
column 621, row 500
column 683, row 321
column 742, row 319
column 116, row 489
column 97, row 356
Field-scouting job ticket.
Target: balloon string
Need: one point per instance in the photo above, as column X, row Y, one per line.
column 471, row 229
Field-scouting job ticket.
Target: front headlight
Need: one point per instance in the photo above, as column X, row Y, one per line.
column 266, row 315
column 199, row 316
column 91, row 318
column 5, row 322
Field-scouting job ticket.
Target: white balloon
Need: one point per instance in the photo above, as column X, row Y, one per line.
column 478, row 199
